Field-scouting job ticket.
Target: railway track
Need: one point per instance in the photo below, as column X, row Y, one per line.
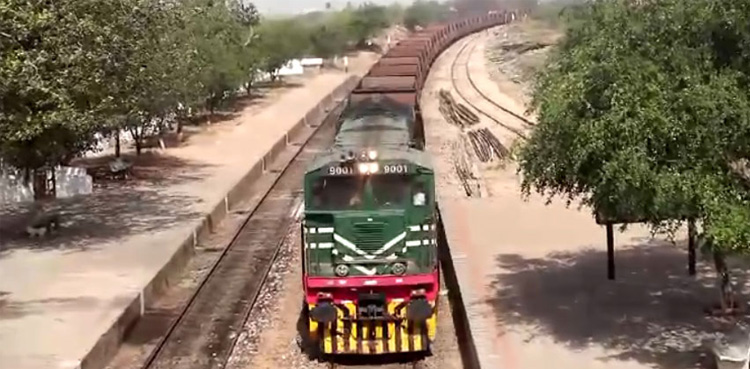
column 470, row 45
column 525, row 122
column 206, row 331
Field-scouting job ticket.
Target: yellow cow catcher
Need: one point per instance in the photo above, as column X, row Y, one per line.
column 346, row 331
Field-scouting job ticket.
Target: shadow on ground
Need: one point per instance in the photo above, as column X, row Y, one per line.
column 149, row 169
column 263, row 94
column 653, row 312
column 117, row 208
column 15, row 309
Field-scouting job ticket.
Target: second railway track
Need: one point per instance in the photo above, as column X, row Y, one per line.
column 205, row 332
column 457, row 73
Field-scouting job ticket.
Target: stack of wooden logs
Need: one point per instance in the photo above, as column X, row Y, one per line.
column 456, row 113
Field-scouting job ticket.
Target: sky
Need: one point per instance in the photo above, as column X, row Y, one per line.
column 302, row 6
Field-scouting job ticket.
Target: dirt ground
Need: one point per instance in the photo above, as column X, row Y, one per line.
column 517, row 53
column 534, row 274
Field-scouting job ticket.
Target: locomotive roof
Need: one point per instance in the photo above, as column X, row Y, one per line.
column 379, row 123
column 374, row 131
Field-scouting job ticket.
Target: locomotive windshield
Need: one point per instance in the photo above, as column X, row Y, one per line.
column 360, row 192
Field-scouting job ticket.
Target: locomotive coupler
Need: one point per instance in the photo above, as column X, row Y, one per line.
column 371, row 306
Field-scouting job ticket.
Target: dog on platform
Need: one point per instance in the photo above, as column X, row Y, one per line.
column 43, row 223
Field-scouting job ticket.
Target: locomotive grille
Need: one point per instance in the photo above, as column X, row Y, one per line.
column 369, row 236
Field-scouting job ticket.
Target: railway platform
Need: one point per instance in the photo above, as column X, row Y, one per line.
column 65, row 301
column 533, row 276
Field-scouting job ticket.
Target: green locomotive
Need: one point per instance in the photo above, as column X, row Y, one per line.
column 370, row 245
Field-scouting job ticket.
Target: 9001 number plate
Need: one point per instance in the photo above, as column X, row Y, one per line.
column 340, row 171
column 351, row 170
column 395, row 169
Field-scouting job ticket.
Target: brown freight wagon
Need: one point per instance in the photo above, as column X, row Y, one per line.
column 427, row 45
column 404, row 51
column 387, row 84
column 399, row 61
column 398, row 71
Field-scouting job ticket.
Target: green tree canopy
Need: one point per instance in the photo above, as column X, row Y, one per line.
column 366, row 21
column 280, row 41
column 423, row 12
column 72, row 69
column 644, row 114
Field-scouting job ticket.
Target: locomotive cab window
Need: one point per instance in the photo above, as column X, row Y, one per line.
column 419, row 197
column 391, row 190
column 338, row 193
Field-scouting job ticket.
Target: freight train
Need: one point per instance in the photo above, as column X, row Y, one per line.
column 369, row 253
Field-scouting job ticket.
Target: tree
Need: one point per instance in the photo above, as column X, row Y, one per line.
column 644, row 114
column 144, row 73
column 248, row 51
column 53, row 97
column 328, row 40
column 279, row 42
column 366, row 21
column 422, row 13
column 216, row 37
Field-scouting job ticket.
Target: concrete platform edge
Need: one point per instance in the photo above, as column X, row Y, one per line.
column 461, row 322
column 108, row 344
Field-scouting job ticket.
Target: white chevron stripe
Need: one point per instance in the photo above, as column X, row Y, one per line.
column 365, row 270
column 413, row 243
column 325, row 230
column 414, row 228
column 348, row 244
column 325, row 245
column 391, row 243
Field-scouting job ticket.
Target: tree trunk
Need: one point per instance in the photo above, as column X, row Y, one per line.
column 138, row 138
column 211, row 110
column 724, row 282
column 117, row 144
column 40, row 184
column 249, row 88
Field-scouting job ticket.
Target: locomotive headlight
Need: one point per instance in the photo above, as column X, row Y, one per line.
column 398, row 269
column 341, row 270
column 374, row 167
column 372, row 154
column 364, row 168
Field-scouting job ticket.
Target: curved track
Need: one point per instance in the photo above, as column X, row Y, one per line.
column 206, row 331
column 527, row 123
column 462, row 57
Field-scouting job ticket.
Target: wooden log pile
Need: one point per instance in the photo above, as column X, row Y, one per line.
column 486, row 145
column 456, row 113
